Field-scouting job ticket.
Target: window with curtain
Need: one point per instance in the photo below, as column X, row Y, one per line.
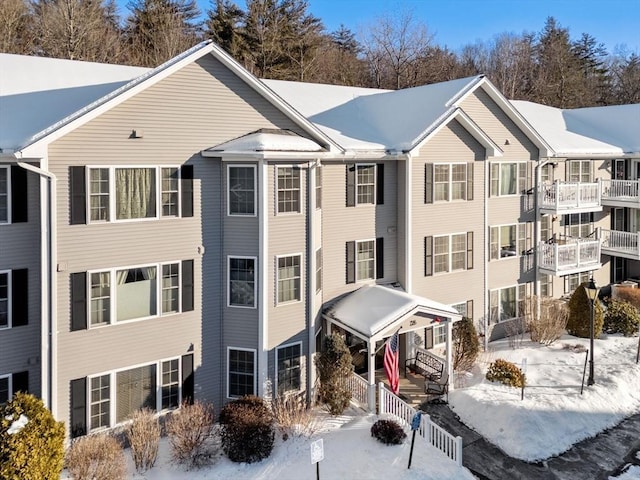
column 289, row 371
column 242, row 282
column 241, row 369
column 136, row 293
column 4, row 194
column 508, row 178
column 241, row 190
column 503, row 242
column 506, row 303
column 289, row 279
column 135, row 389
column 135, row 193
column 100, row 402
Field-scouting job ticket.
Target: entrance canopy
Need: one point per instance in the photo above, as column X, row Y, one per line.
column 375, row 312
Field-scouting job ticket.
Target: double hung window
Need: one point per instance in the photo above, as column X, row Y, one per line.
column 289, row 368
column 506, row 241
column 365, row 184
column 241, row 190
column 288, row 189
column 289, row 278
column 449, row 252
column 242, row 282
column 4, row 195
column 507, row 303
column 579, row 171
column 241, row 367
column 508, row 178
column 450, row 182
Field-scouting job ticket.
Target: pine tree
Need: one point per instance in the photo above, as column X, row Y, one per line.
column 223, row 26
column 334, row 365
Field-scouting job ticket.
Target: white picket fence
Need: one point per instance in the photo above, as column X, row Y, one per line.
column 433, row 433
column 359, row 390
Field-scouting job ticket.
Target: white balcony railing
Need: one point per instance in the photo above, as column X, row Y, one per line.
column 569, row 197
column 570, row 256
column 621, row 192
column 620, row 244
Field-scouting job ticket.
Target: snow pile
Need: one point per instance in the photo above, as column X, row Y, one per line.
column 17, row 425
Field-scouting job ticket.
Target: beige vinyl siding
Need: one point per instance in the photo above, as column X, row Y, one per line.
column 401, row 229
column 20, row 248
column 452, row 144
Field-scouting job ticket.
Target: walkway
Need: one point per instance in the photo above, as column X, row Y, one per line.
column 594, row 459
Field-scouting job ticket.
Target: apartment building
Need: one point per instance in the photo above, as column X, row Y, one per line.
column 192, row 231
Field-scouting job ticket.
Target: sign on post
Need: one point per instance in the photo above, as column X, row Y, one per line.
column 317, row 454
column 415, row 425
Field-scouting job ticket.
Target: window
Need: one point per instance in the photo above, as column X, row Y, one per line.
column 365, row 260
column 365, row 184
column 136, row 293
column 135, row 191
column 578, row 225
column 5, row 389
column 170, row 192
column 546, row 285
column 449, row 253
column 170, row 288
column 4, row 196
column 503, row 242
column 13, row 194
column 242, row 282
column 99, row 194
column 318, row 270
column 289, row 371
column 241, row 190
column 100, row 298
column 170, row 383
column 13, row 290
column 289, row 279
column 579, row 171
column 439, row 333
column 508, row 178
column 318, row 187
column 288, row 189
column 464, row 308
column 546, row 173
column 546, row 228
column 100, row 402
column 4, row 300
column 242, row 372
column 506, row 303
column 450, row 182
column 573, row 281
column 135, row 389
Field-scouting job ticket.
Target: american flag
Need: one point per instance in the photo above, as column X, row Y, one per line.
column 391, row 363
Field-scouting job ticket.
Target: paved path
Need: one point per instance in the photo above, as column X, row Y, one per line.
column 593, row 459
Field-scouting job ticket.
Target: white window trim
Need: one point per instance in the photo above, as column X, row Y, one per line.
column 318, row 269
column 375, row 184
column 450, row 182
column 9, row 376
column 506, row 257
column 437, row 330
column 317, row 190
column 255, row 192
column 9, row 219
column 277, row 379
column 450, row 254
column 517, row 287
column 365, row 280
column 255, row 281
column 112, row 296
column 113, row 394
column 289, row 302
column 518, row 164
column 277, row 190
column 112, row 193
column 581, row 161
column 9, row 300
column 255, row 368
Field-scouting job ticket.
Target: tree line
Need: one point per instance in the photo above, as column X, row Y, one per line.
column 281, row 39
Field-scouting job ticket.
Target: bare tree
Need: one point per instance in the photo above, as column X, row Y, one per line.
column 15, row 23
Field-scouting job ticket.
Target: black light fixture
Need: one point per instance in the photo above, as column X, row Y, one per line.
column 592, row 293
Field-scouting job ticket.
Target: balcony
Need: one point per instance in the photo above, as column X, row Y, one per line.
column 560, row 198
column 573, row 255
column 621, row 193
column 621, row 244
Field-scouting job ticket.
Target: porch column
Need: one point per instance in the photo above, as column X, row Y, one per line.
column 449, row 353
column 371, row 358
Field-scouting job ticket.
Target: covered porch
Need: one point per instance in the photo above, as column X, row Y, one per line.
column 372, row 314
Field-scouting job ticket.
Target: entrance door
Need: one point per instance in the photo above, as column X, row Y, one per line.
column 618, row 172
column 618, row 273
column 617, row 219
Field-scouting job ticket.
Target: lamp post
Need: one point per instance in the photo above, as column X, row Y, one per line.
column 592, row 292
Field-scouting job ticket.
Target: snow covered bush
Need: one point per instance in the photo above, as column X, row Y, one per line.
column 191, row 430
column 507, row 373
column 247, row 429
column 143, row 434
column 579, row 323
column 621, row 317
column 96, row 457
column 334, row 365
column 388, row 432
column 31, row 441
column 465, row 344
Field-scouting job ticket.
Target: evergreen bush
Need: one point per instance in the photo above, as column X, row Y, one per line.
column 507, row 373
column 334, row 365
column 96, row 457
column 31, row 440
column 621, row 317
column 388, row 432
column 248, row 432
column 579, row 323
column 465, row 344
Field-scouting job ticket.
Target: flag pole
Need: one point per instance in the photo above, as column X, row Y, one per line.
column 382, row 346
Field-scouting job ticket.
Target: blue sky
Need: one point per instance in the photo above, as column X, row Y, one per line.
column 459, row 22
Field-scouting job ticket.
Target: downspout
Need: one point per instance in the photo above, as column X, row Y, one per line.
column 485, row 252
column 311, row 269
column 263, row 262
column 48, row 254
column 536, row 233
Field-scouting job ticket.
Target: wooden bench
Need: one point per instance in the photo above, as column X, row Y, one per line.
column 424, row 364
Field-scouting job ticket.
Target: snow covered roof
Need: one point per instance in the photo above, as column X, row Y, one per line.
column 267, row 140
column 610, row 130
column 373, row 308
column 372, row 119
column 37, row 92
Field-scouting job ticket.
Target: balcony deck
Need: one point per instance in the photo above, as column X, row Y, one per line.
column 621, row 193
column 570, row 256
column 621, row 244
column 560, row 198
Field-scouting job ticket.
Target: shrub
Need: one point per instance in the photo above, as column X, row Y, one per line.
column 579, row 323
column 31, row 441
column 334, row 365
column 630, row 295
column 247, row 429
column 550, row 323
column 621, row 317
column 465, row 344
column 96, row 457
column 292, row 415
column 143, row 434
column 190, row 430
column 388, row 432
column 507, row 373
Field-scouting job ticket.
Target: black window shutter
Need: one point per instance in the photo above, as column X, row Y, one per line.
column 428, row 256
column 78, row 407
column 78, row 301
column 469, row 309
column 187, row 378
column 469, row 250
column 20, row 382
column 187, row 285
column 380, row 184
column 469, row 181
column 428, row 342
column 186, row 179
column 428, row 183
column 379, row 257
column 351, row 185
column 78, row 195
column 19, row 204
column 19, row 297
column 351, row 262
